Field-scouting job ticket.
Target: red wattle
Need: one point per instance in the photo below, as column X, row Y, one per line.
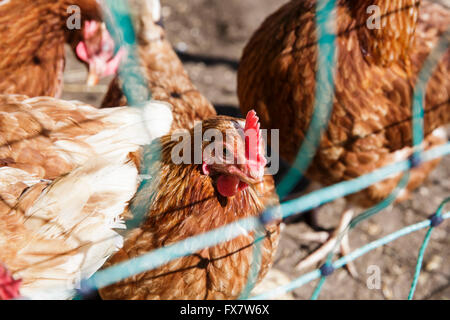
column 228, row 186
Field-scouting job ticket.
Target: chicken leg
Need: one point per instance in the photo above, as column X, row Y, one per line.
column 338, row 235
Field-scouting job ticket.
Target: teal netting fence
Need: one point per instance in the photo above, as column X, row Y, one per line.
column 135, row 87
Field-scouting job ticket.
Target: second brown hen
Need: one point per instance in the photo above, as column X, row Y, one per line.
column 377, row 69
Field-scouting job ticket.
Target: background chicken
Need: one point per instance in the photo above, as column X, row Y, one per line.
column 32, row 38
column 167, row 78
column 190, row 199
column 376, row 72
column 67, row 174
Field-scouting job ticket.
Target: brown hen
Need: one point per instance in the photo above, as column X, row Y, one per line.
column 187, row 199
column 32, row 38
column 376, row 71
column 186, row 202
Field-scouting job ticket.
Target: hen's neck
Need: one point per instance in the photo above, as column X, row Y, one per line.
column 168, row 78
column 390, row 37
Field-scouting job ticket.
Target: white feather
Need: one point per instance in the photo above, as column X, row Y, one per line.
column 129, row 129
column 81, row 210
column 10, row 177
column 440, row 133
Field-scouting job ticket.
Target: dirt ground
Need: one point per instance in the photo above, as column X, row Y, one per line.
column 212, row 34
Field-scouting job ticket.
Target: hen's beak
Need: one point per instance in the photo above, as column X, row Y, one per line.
column 92, row 79
column 248, row 179
column 99, row 68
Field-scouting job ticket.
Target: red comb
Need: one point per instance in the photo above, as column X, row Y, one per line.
column 251, row 136
column 253, row 141
column 9, row 287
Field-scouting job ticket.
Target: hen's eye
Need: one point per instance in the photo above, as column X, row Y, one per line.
column 227, row 153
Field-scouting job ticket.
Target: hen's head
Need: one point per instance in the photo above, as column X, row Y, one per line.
column 97, row 50
column 233, row 153
column 9, row 287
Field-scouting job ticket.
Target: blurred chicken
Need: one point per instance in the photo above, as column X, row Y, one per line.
column 67, row 174
column 376, row 71
column 190, row 199
column 167, row 78
column 32, row 38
